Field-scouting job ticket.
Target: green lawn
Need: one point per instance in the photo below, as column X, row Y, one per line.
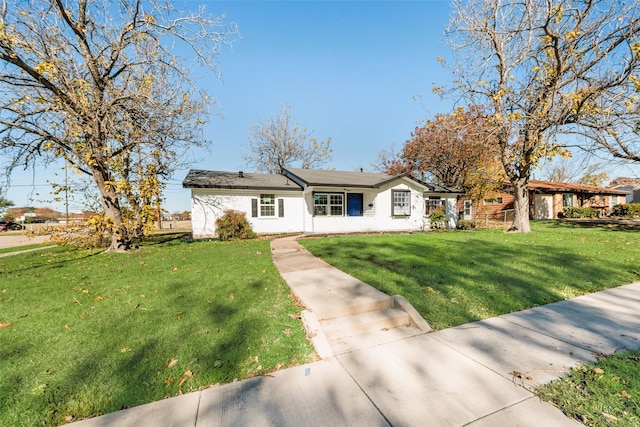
column 602, row 394
column 86, row 333
column 453, row 278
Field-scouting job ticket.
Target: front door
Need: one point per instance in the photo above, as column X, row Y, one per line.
column 354, row 204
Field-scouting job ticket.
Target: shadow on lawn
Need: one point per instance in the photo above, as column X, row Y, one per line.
column 459, row 281
column 123, row 370
column 602, row 224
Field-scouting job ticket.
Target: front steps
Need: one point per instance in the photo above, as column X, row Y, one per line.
column 342, row 313
column 363, row 325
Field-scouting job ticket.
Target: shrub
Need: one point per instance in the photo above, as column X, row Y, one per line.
column 631, row 210
column 580, row 212
column 437, row 218
column 234, row 225
column 465, row 224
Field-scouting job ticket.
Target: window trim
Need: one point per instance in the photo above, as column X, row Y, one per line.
column 406, row 210
column 467, row 208
column 329, row 205
column 261, row 205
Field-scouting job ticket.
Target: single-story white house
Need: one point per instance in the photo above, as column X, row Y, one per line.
column 316, row 201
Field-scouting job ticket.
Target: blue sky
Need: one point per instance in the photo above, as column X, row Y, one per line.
column 350, row 71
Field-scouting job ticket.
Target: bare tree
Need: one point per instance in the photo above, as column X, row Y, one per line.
column 576, row 170
column 99, row 84
column 279, row 142
column 544, row 68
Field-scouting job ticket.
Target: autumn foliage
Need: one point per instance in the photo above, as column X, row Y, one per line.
column 457, row 150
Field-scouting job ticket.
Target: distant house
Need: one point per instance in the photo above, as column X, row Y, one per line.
column 316, row 201
column 547, row 199
column 628, row 184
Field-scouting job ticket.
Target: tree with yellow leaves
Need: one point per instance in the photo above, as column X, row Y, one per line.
column 542, row 69
column 100, row 85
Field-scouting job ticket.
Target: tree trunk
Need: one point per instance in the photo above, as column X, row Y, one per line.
column 520, row 206
column 119, row 236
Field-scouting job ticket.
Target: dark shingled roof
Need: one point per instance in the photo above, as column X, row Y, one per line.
column 328, row 178
column 294, row 179
column 238, row 181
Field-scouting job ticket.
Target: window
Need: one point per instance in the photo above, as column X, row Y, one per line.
column 467, row 208
column 267, row 205
column 434, row 203
column 567, row 200
column 494, row 201
column 401, row 203
column 328, row 204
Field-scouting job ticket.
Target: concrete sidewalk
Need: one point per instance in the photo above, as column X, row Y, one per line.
column 478, row 374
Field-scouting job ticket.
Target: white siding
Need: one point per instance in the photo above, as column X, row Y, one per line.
column 207, row 205
column 450, row 209
column 376, row 217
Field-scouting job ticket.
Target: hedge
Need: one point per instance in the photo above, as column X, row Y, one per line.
column 631, row 210
column 580, row 212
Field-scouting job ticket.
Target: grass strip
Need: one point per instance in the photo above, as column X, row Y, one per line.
column 601, row 394
column 86, row 333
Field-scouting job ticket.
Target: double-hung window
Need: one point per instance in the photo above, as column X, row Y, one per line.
column 267, row 205
column 401, row 203
column 328, row 204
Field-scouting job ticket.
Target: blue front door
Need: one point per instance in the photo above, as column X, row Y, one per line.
column 354, row 204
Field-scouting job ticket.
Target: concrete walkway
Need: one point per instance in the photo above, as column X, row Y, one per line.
column 478, row 374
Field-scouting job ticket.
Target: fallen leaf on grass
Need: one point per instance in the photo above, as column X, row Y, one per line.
column 5, row 325
column 597, row 371
column 182, row 380
column 287, row 332
column 295, row 316
column 98, row 298
column 232, row 296
column 4, row 291
column 170, row 379
column 174, row 269
column 624, row 393
column 68, row 418
column 609, row 416
column 188, row 373
column 125, row 350
column 171, row 364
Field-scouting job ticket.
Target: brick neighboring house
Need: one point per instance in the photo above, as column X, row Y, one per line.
column 546, row 200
